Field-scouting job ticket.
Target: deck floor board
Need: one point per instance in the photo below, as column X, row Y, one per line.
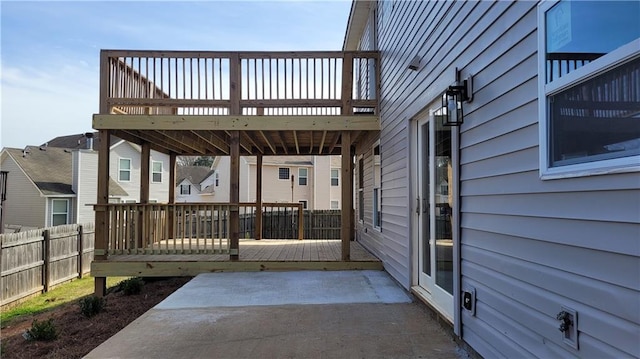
column 265, row 254
column 278, row 250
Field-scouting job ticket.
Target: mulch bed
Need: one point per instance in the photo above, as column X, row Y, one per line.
column 78, row 335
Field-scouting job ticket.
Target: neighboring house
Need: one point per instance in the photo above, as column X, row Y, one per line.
column 124, row 166
column 316, row 182
column 49, row 186
column 524, row 219
column 194, row 184
column 56, row 183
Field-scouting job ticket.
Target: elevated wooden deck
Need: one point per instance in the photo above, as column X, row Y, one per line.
column 194, row 103
column 266, row 254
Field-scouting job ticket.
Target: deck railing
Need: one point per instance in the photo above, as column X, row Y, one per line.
column 561, row 63
column 250, row 83
column 181, row 228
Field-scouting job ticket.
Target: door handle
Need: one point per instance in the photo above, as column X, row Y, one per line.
column 418, row 205
column 424, row 205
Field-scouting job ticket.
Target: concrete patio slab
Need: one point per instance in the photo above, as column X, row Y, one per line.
column 237, row 289
column 351, row 314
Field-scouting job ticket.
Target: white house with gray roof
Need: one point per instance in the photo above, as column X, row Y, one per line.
column 316, row 181
column 49, row 185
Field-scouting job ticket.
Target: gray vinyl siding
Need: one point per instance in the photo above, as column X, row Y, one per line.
column 528, row 246
column 24, row 205
column 391, row 244
column 370, row 237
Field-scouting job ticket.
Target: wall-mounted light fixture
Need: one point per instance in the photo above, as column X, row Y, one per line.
column 452, row 101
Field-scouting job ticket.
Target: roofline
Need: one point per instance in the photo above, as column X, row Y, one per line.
column 22, row 170
column 116, row 144
column 358, row 17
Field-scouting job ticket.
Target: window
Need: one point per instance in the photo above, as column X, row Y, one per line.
column 185, row 189
column 335, row 175
column 335, row 205
column 304, row 203
column 589, row 93
column 124, row 170
column 156, row 172
column 377, row 180
column 283, row 173
column 59, row 212
column 217, row 179
column 302, row 176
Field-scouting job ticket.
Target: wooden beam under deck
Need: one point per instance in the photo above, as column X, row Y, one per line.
column 230, row 122
column 189, row 268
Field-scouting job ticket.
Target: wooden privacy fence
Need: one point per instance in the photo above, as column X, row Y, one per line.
column 36, row 260
column 282, row 223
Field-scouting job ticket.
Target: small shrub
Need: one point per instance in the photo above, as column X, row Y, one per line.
column 131, row 286
column 42, row 330
column 91, row 305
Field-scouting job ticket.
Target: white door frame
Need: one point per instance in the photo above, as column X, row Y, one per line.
column 452, row 311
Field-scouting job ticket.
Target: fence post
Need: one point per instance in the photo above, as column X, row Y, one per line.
column 80, row 251
column 46, row 257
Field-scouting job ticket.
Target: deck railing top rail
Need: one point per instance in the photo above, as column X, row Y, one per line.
column 249, row 83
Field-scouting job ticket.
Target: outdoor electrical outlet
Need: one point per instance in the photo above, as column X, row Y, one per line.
column 569, row 326
column 469, row 300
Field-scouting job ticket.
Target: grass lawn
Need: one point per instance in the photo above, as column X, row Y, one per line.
column 60, row 295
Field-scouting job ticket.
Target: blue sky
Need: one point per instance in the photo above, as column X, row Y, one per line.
column 50, row 49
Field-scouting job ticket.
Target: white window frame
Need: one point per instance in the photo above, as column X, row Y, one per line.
column 185, row 194
column 288, row 176
column 53, row 212
column 154, row 172
column 305, row 203
column 331, row 204
column 594, row 68
column 300, row 176
column 120, row 169
column 374, row 210
column 337, row 178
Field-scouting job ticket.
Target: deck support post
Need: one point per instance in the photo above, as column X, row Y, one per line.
column 258, row 229
column 347, row 162
column 300, row 222
column 235, row 79
column 145, row 157
column 172, row 193
column 101, row 213
column 347, row 193
column 234, row 196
